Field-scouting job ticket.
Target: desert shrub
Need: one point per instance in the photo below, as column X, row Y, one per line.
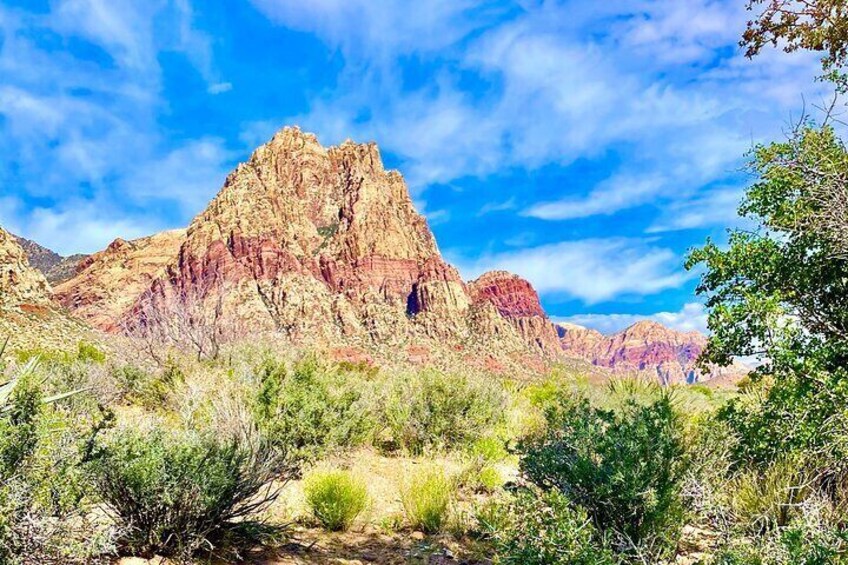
column 85, row 353
column 490, row 449
column 90, row 353
column 336, row 498
column 434, row 410
column 150, row 390
column 763, row 499
column 41, row 486
column 175, row 493
column 796, row 545
column 625, row 468
column 427, row 497
column 311, row 408
column 489, row 478
column 541, row 528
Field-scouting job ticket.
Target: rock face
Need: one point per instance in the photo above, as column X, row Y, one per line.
column 21, row 286
column 646, row 347
column 315, row 243
column 516, row 300
column 108, row 283
column 53, row 266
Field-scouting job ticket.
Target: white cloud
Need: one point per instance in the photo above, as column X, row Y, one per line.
column 219, row 88
column 717, row 207
column 614, row 194
column 77, row 226
column 661, row 86
column 692, row 317
column 84, row 138
column 591, row 270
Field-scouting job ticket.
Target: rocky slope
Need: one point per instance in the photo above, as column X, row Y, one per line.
column 648, row 348
column 313, row 243
column 28, row 313
column 108, row 283
column 516, row 300
column 53, row 266
column 21, row 286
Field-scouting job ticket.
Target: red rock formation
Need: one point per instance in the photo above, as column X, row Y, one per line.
column 315, row 243
column 516, row 300
column 646, row 347
column 513, row 296
column 107, row 283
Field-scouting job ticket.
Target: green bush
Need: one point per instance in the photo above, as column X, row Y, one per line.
column 796, row 545
column 311, row 408
column 427, row 497
column 489, row 479
column 541, row 528
column 625, row 468
column 145, row 388
column 770, row 498
column 85, row 353
column 435, row 410
column 176, row 493
column 336, row 498
column 89, row 353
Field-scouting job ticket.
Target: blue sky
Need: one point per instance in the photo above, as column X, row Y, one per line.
column 584, row 145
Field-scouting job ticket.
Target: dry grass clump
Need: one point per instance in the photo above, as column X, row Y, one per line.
column 335, row 498
column 427, row 496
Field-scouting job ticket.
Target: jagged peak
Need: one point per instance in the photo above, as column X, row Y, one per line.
column 652, row 326
column 495, row 275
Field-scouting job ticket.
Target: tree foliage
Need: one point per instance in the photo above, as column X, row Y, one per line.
column 780, row 290
column 815, row 25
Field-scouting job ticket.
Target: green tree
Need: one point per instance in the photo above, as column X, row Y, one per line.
column 780, row 290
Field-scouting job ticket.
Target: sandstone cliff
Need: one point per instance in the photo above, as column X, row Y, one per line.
column 517, row 301
column 316, row 244
column 647, row 348
column 21, row 286
column 29, row 317
column 108, row 283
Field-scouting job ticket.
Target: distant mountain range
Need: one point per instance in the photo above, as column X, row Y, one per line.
column 324, row 246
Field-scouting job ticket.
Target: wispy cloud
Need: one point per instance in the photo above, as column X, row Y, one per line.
column 568, row 80
column 692, row 317
column 94, row 119
column 591, row 270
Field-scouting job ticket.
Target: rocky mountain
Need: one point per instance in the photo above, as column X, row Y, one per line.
column 313, row 243
column 647, row 348
column 21, row 286
column 29, row 316
column 323, row 246
column 53, row 266
column 107, row 284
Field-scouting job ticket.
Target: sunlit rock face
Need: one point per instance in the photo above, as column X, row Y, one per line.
column 646, row 347
column 21, row 285
column 310, row 242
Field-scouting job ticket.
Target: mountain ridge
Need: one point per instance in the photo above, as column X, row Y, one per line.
column 323, row 245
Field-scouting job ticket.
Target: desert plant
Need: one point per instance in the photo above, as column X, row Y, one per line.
column 175, row 493
column 336, row 498
column 541, row 528
column 310, row 408
column 763, row 499
column 432, row 410
column 427, row 496
column 625, row 468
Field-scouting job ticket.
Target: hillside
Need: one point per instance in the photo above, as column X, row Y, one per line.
column 55, row 268
column 29, row 316
column 319, row 245
column 647, row 348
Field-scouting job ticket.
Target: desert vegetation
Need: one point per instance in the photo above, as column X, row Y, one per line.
column 197, row 447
